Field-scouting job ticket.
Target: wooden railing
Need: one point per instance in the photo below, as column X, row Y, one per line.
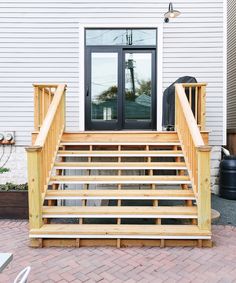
column 196, row 95
column 50, row 119
column 43, row 95
column 197, row 154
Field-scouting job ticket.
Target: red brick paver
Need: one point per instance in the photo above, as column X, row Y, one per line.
column 128, row 265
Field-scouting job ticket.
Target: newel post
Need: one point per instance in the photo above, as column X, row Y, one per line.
column 34, row 186
column 204, row 188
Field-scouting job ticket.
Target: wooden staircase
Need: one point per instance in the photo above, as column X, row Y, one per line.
column 116, row 188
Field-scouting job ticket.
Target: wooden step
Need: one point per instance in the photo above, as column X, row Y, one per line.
column 104, row 143
column 120, row 137
column 120, row 194
column 189, row 212
column 128, row 179
column 122, row 153
column 121, row 165
column 120, row 231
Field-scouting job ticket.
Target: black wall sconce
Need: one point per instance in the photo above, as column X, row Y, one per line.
column 171, row 13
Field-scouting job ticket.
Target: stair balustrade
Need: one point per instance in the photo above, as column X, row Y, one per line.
column 50, row 121
column 196, row 153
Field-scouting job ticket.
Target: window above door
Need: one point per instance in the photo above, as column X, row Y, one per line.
column 121, row 37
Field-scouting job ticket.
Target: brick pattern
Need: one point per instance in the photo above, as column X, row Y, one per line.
column 119, row 265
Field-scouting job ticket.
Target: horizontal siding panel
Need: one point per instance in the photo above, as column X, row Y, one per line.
column 39, row 42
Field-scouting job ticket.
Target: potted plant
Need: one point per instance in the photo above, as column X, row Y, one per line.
column 14, row 201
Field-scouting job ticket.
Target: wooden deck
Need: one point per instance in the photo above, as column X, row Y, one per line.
column 119, row 188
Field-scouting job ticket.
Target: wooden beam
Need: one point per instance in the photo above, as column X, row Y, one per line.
column 122, row 136
column 104, row 230
column 204, row 190
column 124, row 243
column 160, row 194
column 119, row 212
column 124, row 153
column 35, row 186
column 124, row 179
column 121, row 165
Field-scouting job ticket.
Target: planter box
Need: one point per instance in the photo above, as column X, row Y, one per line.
column 14, row 204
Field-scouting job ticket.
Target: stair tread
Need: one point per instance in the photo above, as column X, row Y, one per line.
column 120, row 143
column 121, row 193
column 120, row 210
column 131, row 179
column 121, row 178
column 127, row 165
column 120, row 153
column 110, row 229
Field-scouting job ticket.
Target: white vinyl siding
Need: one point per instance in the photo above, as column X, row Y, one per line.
column 39, row 42
column 231, row 66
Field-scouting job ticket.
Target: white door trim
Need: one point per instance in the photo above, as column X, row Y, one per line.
column 82, row 27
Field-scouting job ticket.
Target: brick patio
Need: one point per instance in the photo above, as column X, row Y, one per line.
column 119, row 265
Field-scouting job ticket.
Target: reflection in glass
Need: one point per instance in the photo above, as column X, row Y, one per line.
column 104, row 85
column 138, row 70
column 121, row 37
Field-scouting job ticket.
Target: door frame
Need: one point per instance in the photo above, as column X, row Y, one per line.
column 159, row 59
column 121, row 123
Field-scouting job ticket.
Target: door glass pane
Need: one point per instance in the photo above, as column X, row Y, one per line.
column 138, row 87
column 121, row 37
column 104, row 86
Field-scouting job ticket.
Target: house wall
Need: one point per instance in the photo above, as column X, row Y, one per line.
column 39, row 42
column 231, row 77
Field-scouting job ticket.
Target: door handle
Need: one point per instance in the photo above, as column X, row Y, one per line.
column 87, row 91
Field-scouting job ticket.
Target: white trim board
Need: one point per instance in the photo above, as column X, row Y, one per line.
column 82, row 27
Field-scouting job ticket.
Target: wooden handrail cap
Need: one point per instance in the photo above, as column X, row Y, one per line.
column 34, row 148
column 204, row 148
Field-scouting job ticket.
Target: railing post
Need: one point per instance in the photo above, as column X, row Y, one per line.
column 64, row 108
column 35, row 186
column 204, row 188
column 203, row 107
column 36, row 108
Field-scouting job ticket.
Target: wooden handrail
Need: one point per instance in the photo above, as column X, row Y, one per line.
column 41, row 156
column 41, row 138
column 196, row 95
column 192, row 125
column 43, row 95
column 196, row 153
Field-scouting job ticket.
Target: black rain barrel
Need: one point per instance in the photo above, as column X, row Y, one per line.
column 228, row 177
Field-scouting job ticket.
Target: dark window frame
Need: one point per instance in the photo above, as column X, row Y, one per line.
column 120, row 124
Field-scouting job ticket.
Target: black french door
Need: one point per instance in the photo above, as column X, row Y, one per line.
column 120, row 88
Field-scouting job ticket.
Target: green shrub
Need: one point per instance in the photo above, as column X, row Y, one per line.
column 3, row 170
column 13, row 187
